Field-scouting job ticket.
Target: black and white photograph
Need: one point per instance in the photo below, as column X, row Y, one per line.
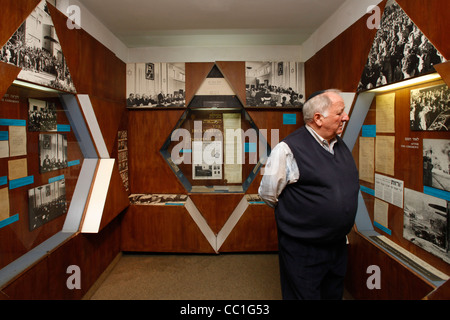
column 400, row 51
column 35, row 48
column 52, row 152
column 274, row 84
column 46, row 203
column 41, row 115
column 155, row 85
column 157, row 199
column 207, row 160
column 425, row 223
column 430, row 108
column 436, row 163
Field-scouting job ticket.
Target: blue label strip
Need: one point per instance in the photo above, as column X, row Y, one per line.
column 186, row 150
column 13, row 122
column 63, row 127
column 383, row 228
column 3, row 180
column 289, row 118
column 436, row 193
column 9, row 220
column 17, row 183
column 4, row 135
column 174, row 204
column 54, row 179
column 369, row 131
column 367, row 190
column 250, row 147
column 73, row 163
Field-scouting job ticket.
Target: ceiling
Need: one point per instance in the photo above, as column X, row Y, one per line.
column 147, row 23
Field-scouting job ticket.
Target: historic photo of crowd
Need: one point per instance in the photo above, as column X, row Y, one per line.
column 41, row 115
column 155, row 85
column 400, row 51
column 46, row 203
column 35, row 48
column 430, row 108
column 274, row 84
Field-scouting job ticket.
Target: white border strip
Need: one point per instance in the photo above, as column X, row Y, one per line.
column 94, row 212
column 201, row 223
column 232, row 221
column 92, row 123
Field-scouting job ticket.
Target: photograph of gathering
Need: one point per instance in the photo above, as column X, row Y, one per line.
column 400, row 51
column 274, row 84
column 35, row 48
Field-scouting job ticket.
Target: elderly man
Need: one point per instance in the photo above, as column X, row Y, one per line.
column 312, row 182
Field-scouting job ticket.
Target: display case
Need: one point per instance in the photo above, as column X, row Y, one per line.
column 215, row 147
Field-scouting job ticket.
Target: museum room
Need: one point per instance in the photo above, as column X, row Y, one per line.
column 142, row 144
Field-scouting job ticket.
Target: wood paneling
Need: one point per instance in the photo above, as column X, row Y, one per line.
column 162, row 229
column 8, row 75
column 216, row 208
column 255, row 231
column 147, row 132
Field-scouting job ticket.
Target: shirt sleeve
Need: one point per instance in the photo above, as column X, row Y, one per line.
column 281, row 169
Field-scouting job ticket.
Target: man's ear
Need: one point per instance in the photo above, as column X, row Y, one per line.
column 317, row 119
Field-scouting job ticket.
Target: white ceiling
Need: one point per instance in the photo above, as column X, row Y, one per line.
column 148, row 23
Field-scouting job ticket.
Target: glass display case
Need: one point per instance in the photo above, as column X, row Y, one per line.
column 215, row 146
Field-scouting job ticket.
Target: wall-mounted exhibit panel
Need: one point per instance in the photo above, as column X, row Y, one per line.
column 403, row 158
column 41, row 160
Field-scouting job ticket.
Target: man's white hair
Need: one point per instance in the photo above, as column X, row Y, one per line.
column 318, row 104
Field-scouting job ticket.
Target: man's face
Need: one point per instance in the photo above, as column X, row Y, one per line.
column 333, row 123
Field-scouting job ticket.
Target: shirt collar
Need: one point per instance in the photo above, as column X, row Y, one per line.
column 323, row 142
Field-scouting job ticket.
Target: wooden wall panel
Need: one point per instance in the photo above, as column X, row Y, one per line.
column 162, row 229
column 148, row 171
column 8, row 75
column 216, row 208
column 255, row 231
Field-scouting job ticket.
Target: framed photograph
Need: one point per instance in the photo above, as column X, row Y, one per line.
column 151, row 85
column 430, row 108
column 46, row 203
column 41, row 115
column 436, row 163
column 267, row 85
column 52, row 152
column 150, row 71
column 425, row 223
column 207, row 160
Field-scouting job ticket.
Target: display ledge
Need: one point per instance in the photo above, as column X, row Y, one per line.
column 414, row 263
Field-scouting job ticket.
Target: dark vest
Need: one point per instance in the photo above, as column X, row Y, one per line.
column 321, row 206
